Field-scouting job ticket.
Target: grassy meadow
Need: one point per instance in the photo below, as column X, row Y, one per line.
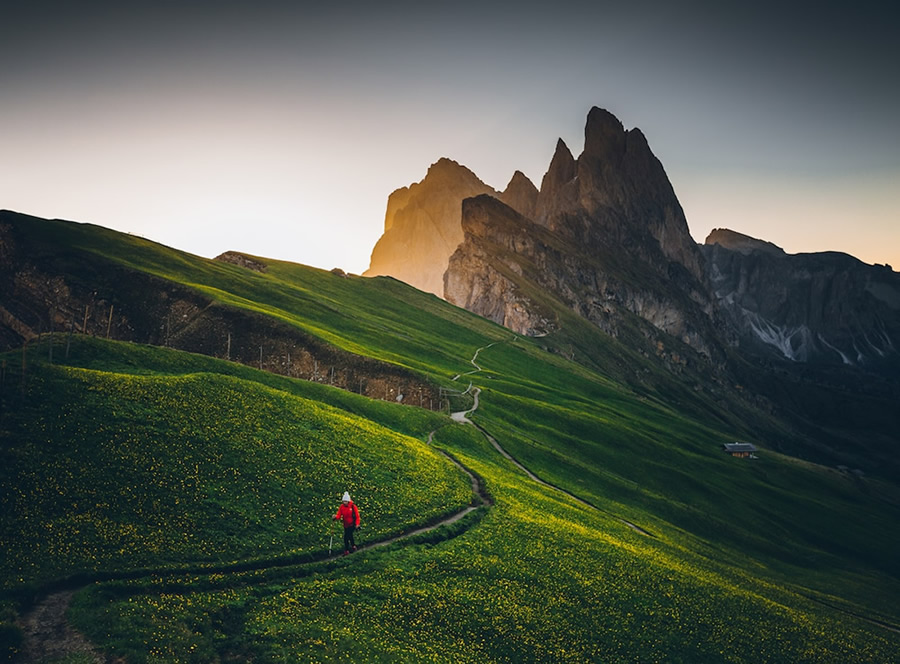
column 154, row 474
column 539, row 578
column 114, row 470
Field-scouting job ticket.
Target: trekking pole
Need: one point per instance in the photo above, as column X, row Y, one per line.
column 330, row 541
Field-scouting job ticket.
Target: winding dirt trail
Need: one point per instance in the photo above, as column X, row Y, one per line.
column 475, row 357
column 478, row 490
column 49, row 636
column 463, row 417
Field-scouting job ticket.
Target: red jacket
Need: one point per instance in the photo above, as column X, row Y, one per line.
column 349, row 514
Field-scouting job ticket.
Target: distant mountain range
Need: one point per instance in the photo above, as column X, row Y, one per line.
column 606, row 237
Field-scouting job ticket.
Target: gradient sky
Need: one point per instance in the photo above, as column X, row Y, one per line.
column 280, row 130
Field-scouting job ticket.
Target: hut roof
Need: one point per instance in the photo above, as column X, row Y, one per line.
column 739, row 447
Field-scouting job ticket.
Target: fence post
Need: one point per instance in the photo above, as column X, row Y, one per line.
column 69, row 337
column 24, row 363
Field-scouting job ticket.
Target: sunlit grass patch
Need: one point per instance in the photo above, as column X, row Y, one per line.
column 120, row 471
column 540, row 578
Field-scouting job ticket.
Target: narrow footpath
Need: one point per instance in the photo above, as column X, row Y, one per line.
column 49, row 636
column 463, row 417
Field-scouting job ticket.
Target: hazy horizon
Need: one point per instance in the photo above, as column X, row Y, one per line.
column 280, row 131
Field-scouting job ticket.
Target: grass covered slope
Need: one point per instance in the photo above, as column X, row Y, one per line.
column 379, row 318
column 107, row 470
column 791, row 522
column 539, row 579
column 217, row 461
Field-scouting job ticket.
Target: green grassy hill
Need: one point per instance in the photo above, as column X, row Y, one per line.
column 168, row 470
column 115, row 470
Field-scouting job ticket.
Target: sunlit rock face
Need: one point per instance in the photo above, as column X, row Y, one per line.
column 422, row 223
column 487, row 271
column 422, row 226
column 822, row 307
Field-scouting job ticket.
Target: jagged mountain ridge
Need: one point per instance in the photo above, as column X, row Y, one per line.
column 825, row 307
column 616, row 194
column 621, row 246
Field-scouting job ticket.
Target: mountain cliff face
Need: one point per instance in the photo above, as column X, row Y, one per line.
column 607, row 238
column 422, row 225
column 487, row 277
column 822, row 307
column 617, row 194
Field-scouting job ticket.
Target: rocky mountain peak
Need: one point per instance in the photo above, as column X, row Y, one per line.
column 612, row 206
column 520, row 194
column 559, row 177
column 446, row 170
column 604, row 135
column 742, row 243
column 561, row 170
column 422, row 226
column 614, row 199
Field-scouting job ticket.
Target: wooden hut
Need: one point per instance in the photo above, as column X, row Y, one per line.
column 741, row 450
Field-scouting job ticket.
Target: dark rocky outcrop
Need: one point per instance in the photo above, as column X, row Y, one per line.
column 821, row 308
column 242, row 260
column 613, row 241
column 744, row 244
column 521, row 195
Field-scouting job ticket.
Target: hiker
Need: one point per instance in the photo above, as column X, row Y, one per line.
column 349, row 514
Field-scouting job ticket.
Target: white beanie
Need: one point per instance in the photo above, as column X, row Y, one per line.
column 346, row 496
